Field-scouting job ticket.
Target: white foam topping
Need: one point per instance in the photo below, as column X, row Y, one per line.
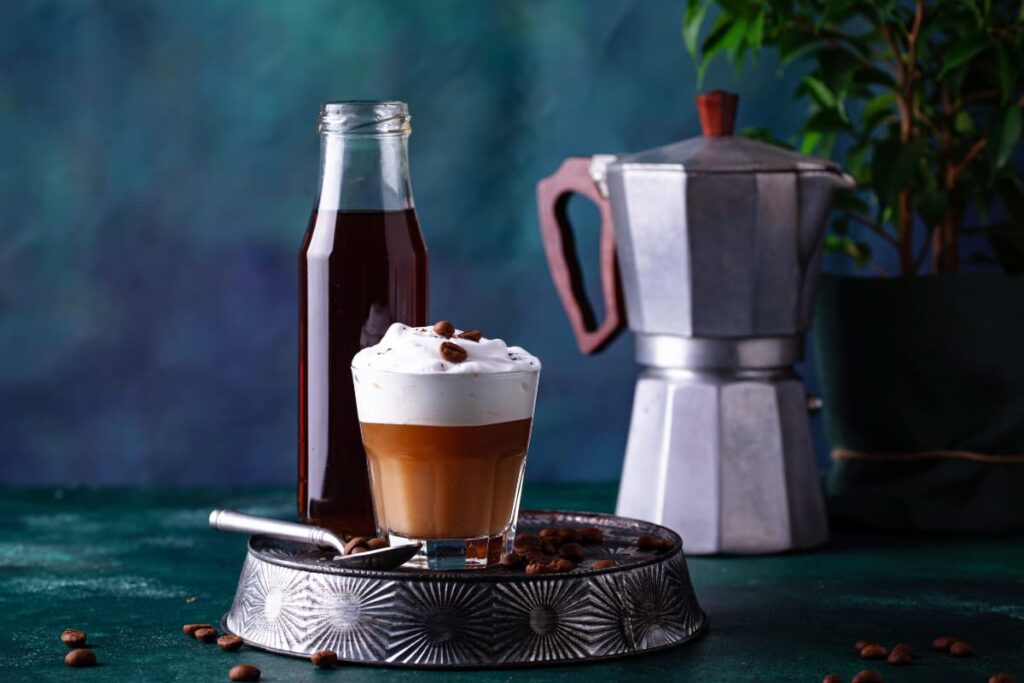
column 403, row 379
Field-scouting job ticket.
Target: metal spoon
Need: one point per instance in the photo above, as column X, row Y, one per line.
column 382, row 558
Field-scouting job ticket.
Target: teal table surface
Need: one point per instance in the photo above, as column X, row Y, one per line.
column 130, row 566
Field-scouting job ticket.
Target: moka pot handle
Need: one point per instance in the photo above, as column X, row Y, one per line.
column 553, row 193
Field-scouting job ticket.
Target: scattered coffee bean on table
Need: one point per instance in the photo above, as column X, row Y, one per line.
column 325, row 659
column 444, row 328
column 961, row 648
column 230, row 643
column 859, row 645
column 903, row 647
column 867, row 676
column 1001, row 678
column 72, row 637
column 572, row 551
column 244, row 672
column 873, row 651
column 190, row 629
column 832, row 678
column 603, row 564
column 206, row 635
column 80, row 657
column 899, row 657
column 943, row 643
column 591, row 534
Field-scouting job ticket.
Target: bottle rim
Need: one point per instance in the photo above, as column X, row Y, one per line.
column 365, row 117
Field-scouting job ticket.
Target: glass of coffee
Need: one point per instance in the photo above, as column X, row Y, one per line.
column 445, row 418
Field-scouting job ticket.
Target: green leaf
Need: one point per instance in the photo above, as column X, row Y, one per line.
column 1007, row 136
column 810, row 142
column 963, row 51
column 696, row 10
column 892, row 169
column 931, row 204
column 1005, row 73
column 819, row 92
column 715, row 40
column 859, row 251
column 826, row 121
column 755, row 31
column 964, row 123
column 878, row 109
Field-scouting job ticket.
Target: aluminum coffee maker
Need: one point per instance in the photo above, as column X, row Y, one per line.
column 711, row 247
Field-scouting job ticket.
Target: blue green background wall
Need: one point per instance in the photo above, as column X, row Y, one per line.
column 158, row 165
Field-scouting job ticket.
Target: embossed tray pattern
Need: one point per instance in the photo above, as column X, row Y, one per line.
column 292, row 600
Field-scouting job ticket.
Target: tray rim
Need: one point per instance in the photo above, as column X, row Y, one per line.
column 481, row 575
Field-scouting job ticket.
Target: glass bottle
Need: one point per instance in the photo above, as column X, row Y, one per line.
column 363, row 266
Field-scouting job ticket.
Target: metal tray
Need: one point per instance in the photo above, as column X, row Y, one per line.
column 291, row 600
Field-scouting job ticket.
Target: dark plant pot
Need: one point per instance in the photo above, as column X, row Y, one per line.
column 923, row 388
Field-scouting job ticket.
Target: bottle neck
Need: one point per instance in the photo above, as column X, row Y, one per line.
column 363, row 172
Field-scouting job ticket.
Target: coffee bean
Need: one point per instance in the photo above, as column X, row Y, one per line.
column 903, row 647
column 943, row 643
column 471, row 335
column 354, row 542
column 1001, row 678
column 72, row 637
column 524, row 543
column 547, row 547
column 859, row 645
column 591, row 534
column 961, row 648
column 571, row 535
column 832, row 678
column 549, row 532
column 230, row 643
column 603, row 564
column 539, row 568
column 359, row 549
column 664, row 545
column 899, row 658
column 512, row 559
column 537, row 557
column 325, row 659
column 647, row 542
column 80, row 657
column 873, row 651
column 376, row 543
column 190, row 629
column 453, row 353
column 444, row 328
column 867, row 676
column 244, row 672
column 572, row 551
column 563, row 565
column 206, row 635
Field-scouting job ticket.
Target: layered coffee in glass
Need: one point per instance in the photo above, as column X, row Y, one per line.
column 445, row 419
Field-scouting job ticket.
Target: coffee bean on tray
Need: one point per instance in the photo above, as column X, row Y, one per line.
column 539, row 568
column 961, row 648
column 471, row 335
column 547, row 547
column 190, row 629
column 603, row 564
column 867, row 676
column 355, row 542
column 512, row 559
column 549, row 532
column 1001, row 678
column 591, row 534
column 444, row 328
column 524, row 543
column 72, row 637
column 325, row 659
column 206, row 635
column 376, row 544
column 899, row 657
column 873, row 651
column 453, row 353
column 230, row 643
column 572, row 551
column 647, row 542
column 359, row 549
column 943, row 643
column 244, row 672
column 563, row 565
column 832, row 678
column 571, row 535
column 80, row 657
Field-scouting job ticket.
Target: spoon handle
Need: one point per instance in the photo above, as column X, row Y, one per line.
column 241, row 523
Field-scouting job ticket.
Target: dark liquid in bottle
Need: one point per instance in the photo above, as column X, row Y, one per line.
column 359, row 271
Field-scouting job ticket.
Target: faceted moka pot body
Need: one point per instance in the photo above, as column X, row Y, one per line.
column 711, row 248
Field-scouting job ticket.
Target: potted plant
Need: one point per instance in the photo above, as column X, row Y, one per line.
column 921, row 366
